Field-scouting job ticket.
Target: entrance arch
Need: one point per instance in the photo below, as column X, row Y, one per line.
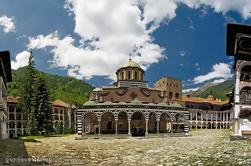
column 245, row 114
column 107, row 124
column 152, row 123
column 90, row 123
column 138, row 121
column 122, row 123
column 165, row 123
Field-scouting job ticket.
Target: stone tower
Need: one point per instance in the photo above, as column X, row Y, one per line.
column 239, row 46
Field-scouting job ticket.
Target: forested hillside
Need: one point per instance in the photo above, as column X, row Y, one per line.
column 68, row 89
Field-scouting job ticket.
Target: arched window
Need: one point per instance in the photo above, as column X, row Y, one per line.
column 135, row 75
column 245, row 73
column 55, row 117
column 177, row 95
column 170, row 95
column 11, row 108
column 55, row 111
column 18, row 109
column 12, row 125
column 128, row 74
column 122, row 75
column 245, row 95
column 11, row 117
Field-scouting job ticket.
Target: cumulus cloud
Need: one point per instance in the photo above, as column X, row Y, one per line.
column 7, row 23
column 220, row 71
column 111, row 30
column 21, row 60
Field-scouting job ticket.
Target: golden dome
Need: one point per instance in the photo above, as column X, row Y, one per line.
column 131, row 63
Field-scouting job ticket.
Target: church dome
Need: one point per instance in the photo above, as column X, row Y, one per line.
column 131, row 63
column 130, row 74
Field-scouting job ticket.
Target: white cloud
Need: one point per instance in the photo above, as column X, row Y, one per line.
column 22, row 60
column 111, row 30
column 7, row 23
column 190, row 90
column 217, row 81
column 219, row 71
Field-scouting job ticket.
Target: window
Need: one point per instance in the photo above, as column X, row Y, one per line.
column 55, row 111
column 136, row 75
column 18, row 110
column 128, row 75
column 177, row 95
column 122, row 75
column 11, row 125
column 11, row 117
column 11, row 108
column 170, row 95
column 19, row 117
column 55, row 117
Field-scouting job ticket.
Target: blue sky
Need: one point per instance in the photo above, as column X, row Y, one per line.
column 89, row 40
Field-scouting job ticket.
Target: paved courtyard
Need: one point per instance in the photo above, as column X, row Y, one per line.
column 204, row 147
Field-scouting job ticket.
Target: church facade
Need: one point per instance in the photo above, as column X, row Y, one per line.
column 130, row 106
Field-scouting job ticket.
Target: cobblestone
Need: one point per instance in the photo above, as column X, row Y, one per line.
column 204, row 147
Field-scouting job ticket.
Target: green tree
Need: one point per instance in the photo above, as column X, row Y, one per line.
column 41, row 105
column 27, row 91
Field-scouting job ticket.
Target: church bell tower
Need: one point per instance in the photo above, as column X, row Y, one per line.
column 239, row 46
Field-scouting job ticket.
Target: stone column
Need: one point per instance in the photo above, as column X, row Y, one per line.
column 129, row 126
column 186, row 125
column 237, row 88
column 196, row 116
column 158, row 126
column 236, row 126
column 116, row 126
column 99, row 127
column 146, row 126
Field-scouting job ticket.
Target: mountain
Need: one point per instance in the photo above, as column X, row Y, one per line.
column 218, row 91
column 203, row 88
column 68, row 89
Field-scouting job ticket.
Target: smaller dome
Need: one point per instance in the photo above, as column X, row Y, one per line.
column 131, row 63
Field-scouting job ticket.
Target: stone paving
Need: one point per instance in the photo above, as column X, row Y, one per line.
column 204, row 147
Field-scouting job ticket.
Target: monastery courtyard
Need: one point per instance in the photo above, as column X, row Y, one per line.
column 204, row 147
